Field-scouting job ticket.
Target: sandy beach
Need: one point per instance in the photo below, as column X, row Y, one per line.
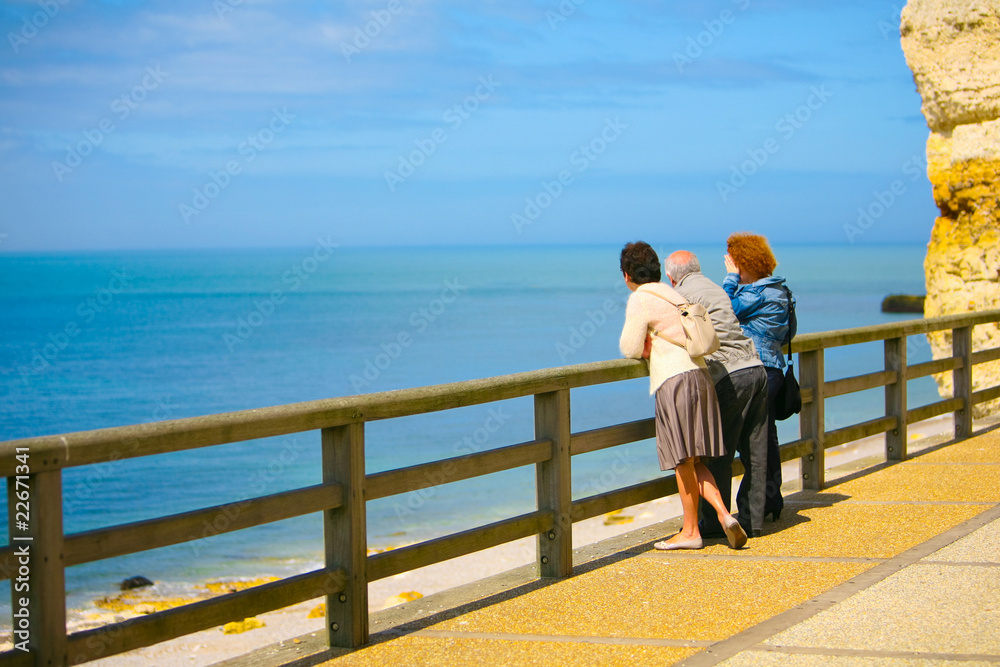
column 217, row 644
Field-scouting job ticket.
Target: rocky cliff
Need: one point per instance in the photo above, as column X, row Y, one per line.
column 953, row 49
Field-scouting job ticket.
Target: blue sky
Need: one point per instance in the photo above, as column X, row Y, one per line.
column 228, row 123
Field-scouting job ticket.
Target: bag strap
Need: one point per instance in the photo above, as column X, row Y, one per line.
column 668, row 300
column 788, row 334
column 659, row 334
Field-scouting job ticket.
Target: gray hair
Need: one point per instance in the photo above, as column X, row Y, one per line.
column 681, row 263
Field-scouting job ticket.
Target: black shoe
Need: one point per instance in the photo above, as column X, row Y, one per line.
column 757, row 533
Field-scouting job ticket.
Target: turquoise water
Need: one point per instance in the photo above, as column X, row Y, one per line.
column 97, row 340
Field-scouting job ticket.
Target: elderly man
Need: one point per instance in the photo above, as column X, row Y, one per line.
column 741, row 385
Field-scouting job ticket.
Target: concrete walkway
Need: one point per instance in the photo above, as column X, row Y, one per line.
column 899, row 564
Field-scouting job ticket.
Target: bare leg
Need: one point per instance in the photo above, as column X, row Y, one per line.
column 687, row 489
column 710, row 492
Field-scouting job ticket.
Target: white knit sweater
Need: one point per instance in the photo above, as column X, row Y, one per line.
column 646, row 311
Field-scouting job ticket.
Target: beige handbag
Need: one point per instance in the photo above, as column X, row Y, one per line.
column 699, row 331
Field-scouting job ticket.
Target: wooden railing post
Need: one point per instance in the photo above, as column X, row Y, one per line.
column 38, row 584
column 345, row 535
column 895, row 399
column 961, row 342
column 812, row 419
column 554, row 484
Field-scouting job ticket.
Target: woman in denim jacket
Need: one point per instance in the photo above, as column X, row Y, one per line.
column 761, row 303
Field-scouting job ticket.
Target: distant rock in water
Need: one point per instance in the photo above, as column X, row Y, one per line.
column 903, row 303
column 135, row 582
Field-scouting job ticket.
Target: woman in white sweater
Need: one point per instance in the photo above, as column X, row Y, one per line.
column 688, row 425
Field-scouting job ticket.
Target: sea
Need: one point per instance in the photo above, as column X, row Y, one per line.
column 102, row 339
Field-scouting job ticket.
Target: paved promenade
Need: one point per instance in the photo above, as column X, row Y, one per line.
column 895, row 565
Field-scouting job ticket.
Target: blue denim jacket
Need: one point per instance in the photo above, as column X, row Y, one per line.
column 762, row 309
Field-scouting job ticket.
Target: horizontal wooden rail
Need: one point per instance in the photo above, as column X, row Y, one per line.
column 984, row 395
column 17, row 659
column 984, row 356
column 435, row 473
column 198, row 524
column 612, row 436
column 165, row 531
column 112, row 444
column 859, row 431
column 838, row 338
column 164, row 625
column 933, row 410
column 932, row 367
column 796, row 449
column 404, row 559
column 643, row 492
column 856, row 383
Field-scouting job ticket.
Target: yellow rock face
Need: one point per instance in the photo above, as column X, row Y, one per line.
column 963, row 257
column 953, row 49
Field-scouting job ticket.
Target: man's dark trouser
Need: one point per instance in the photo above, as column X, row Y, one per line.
column 743, row 404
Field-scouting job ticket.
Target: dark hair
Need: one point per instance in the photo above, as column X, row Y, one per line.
column 640, row 262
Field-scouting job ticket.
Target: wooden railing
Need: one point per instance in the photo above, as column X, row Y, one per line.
column 39, row 551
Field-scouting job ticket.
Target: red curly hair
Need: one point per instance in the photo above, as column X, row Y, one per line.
column 752, row 254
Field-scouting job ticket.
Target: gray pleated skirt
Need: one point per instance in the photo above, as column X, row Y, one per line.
column 688, row 421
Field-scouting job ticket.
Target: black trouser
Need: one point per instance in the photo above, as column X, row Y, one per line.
column 773, row 503
column 743, row 404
